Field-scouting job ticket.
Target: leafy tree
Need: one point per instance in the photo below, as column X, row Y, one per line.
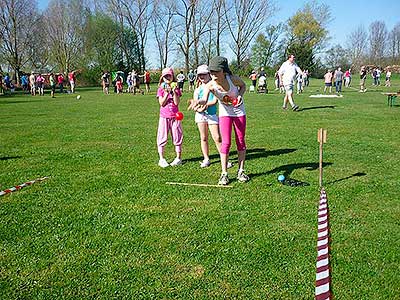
column 306, row 33
column 266, row 46
column 337, row 56
column 102, row 41
column 17, row 21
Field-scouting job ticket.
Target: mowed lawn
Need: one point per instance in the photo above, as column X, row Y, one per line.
column 105, row 225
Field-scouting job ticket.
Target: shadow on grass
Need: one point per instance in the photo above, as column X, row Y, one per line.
column 317, row 107
column 10, row 157
column 250, row 154
column 359, row 174
column 287, row 170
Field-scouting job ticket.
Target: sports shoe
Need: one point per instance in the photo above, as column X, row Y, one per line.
column 163, row 163
column 242, row 177
column 295, row 108
column 205, row 164
column 229, row 165
column 176, row 162
column 223, row 180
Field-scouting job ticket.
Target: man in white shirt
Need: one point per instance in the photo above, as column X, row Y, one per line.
column 287, row 74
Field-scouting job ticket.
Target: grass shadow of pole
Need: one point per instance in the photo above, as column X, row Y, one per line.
column 358, row 174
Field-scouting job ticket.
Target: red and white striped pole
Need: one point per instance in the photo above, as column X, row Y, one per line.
column 322, row 280
column 18, row 187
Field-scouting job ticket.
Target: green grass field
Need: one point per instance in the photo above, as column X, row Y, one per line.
column 106, row 226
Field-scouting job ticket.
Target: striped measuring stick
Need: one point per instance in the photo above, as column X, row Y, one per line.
column 18, row 187
column 323, row 278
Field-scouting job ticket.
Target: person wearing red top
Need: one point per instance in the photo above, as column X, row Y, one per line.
column 147, row 80
column 60, row 81
column 72, row 80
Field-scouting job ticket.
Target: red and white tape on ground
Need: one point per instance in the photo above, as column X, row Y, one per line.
column 18, row 187
column 322, row 280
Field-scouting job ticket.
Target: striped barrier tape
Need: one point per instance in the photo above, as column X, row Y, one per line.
column 18, row 187
column 323, row 278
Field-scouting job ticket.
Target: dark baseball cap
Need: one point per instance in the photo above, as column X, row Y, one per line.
column 219, row 63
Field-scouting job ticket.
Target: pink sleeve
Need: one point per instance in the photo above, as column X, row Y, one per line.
column 160, row 92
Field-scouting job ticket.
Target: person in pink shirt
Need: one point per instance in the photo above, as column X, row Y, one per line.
column 347, row 77
column 169, row 96
column 72, row 80
column 40, row 84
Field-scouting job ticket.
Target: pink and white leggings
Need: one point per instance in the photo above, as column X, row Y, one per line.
column 166, row 125
column 225, row 127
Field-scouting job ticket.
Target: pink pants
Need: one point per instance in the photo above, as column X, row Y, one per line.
column 166, row 125
column 225, row 127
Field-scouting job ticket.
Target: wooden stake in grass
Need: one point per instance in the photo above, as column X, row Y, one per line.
column 321, row 141
column 200, row 184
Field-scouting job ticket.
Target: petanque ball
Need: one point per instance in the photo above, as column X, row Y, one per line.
column 281, row 178
column 78, row 97
column 179, row 116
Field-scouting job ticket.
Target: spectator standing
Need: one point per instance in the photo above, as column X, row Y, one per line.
column 387, row 79
column 106, row 82
column 181, row 80
column 60, row 81
column 72, row 80
column 24, row 83
column 52, row 82
column 363, row 77
column 338, row 80
column 32, row 82
column 40, row 84
column 147, row 80
column 192, row 78
column 328, row 77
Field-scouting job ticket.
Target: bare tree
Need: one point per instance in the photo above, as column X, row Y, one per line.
column 17, row 20
column 394, row 43
column 377, row 40
column 219, row 21
column 357, row 45
column 163, row 24
column 244, row 20
column 192, row 18
column 65, row 24
column 137, row 15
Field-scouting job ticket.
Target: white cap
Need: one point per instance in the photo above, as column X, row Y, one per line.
column 202, row 69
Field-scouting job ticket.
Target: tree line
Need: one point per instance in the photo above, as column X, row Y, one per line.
column 125, row 34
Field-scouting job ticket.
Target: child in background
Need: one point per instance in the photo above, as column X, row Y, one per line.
column 40, row 84
column 118, row 84
column 169, row 96
column 52, row 82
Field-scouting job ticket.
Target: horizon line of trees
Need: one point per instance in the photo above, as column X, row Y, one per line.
column 121, row 34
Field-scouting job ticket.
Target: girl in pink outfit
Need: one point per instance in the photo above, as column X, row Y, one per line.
column 169, row 96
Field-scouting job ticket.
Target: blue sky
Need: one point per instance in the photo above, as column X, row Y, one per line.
column 347, row 15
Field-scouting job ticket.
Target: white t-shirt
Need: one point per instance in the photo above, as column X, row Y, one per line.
column 180, row 77
column 288, row 71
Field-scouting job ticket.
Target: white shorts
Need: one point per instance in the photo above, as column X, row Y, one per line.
column 289, row 88
column 206, row 118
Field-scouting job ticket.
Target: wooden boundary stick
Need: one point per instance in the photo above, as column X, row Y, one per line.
column 321, row 140
column 199, row 184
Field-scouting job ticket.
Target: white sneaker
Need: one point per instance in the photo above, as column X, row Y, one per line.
column 205, row 164
column 176, row 162
column 163, row 163
column 229, row 165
